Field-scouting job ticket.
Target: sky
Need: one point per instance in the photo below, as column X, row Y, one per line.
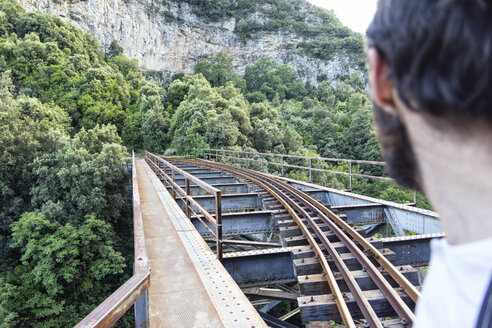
column 356, row 14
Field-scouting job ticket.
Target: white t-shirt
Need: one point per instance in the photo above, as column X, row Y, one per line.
column 455, row 285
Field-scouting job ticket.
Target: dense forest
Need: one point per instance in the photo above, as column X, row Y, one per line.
column 70, row 113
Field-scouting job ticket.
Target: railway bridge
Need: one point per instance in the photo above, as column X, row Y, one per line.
column 218, row 245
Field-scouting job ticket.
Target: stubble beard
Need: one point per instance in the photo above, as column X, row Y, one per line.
column 397, row 149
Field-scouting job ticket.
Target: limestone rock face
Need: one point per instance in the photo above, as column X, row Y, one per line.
column 169, row 45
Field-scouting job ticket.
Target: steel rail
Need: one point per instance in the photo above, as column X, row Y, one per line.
column 395, row 300
column 341, row 304
column 408, row 287
column 116, row 305
column 189, row 201
column 355, row 289
column 391, row 295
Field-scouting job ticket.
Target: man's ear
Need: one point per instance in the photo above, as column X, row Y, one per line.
column 380, row 80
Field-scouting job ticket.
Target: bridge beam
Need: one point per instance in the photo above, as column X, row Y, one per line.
column 363, row 214
column 240, row 223
column 249, row 201
column 227, row 188
column 261, row 267
column 411, row 250
column 210, row 180
column 323, row 307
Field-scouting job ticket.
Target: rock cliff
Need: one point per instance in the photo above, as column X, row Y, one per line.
column 168, row 37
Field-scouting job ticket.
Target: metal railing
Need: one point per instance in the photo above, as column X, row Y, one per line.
column 160, row 166
column 134, row 290
column 260, row 158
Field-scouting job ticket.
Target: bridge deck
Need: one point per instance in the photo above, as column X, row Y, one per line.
column 189, row 287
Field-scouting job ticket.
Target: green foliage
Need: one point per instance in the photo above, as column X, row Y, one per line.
column 217, row 71
column 154, row 130
column 10, row 11
column 208, row 116
column 114, row 50
column 272, row 79
column 55, row 62
column 25, row 124
column 81, row 174
column 65, row 271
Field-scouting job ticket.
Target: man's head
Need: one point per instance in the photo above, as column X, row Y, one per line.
column 433, row 59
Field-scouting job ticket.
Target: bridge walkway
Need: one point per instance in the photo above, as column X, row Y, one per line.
column 189, row 287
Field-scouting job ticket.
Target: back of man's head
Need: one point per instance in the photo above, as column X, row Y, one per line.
column 439, row 53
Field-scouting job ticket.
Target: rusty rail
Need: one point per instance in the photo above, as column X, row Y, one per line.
column 134, row 290
column 293, row 199
column 249, row 157
column 192, row 208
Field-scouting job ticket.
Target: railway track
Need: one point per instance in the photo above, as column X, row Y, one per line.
column 312, row 218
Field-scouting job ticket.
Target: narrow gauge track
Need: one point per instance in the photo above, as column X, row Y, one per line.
column 300, row 205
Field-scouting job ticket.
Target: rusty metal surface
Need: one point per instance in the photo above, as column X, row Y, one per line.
column 210, row 189
column 278, row 194
column 140, row 247
column 191, row 205
column 189, row 286
column 290, row 198
column 113, row 308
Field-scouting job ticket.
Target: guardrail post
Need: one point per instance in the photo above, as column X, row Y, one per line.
column 188, row 193
column 415, row 197
column 164, row 168
column 247, row 163
column 218, row 219
column 141, row 309
column 282, row 165
column 261, row 161
column 350, row 167
column 174, row 191
column 310, row 171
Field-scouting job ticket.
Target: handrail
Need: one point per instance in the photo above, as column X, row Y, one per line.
column 191, row 206
column 134, row 290
column 209, row 153
column 327, row 159
column 205, row 186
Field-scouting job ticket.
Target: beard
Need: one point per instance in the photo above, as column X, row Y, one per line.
column 396, row 149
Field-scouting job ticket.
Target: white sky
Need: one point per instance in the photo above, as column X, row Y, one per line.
column 356, row 14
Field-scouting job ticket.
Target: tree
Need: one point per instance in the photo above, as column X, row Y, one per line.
column 25, row 125
column 218, row 70
column 154, row 130
column 66, row 271
column 81, row 175
column 269, row 78
column 114, row 50
column 194, row 124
